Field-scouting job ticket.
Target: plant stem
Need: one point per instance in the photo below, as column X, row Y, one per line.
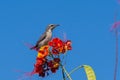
column 75, row 69
column 63, row 73
column 67, row 74
column 116, row 62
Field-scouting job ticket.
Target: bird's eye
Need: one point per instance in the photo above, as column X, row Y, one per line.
column 51, row 25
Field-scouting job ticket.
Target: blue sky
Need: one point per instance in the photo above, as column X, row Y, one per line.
column 86, row 22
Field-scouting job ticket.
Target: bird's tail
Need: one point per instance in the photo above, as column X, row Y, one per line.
column 34, row 48
column 29, row 45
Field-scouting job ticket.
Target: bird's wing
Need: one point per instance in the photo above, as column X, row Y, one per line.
column 41, row 38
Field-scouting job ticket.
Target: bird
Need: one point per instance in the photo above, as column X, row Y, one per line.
column 45, row 37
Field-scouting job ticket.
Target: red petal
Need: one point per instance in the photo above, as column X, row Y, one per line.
column 53, row 70
column 42, row 74
column 57, row 60
column 54, row 51
column 69, row 47
column 50, row 43
column 50, row 64
column 55, row 40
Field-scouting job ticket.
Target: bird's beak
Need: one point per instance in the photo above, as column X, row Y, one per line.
column 57, row 25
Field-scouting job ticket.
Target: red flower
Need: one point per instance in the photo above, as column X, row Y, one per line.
column 38, row 68
column 40, row 61
column 55, row 67
column 53, row 70
column 55, row 51
column 44, row 64
column 68, row 44
column 54, row 64
column 56, row 43
column 57, row 60
column 43, row 52
column 50, row 64
column 59, row 46
column 42, row 74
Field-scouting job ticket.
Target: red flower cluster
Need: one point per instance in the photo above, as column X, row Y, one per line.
column 46, row 61
column 39, row 67
column 54, row 64
column 59, row 46
column 48, row 65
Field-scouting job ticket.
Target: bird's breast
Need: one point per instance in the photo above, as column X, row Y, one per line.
column 49, row 36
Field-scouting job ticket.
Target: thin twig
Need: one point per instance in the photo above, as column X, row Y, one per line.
column 116, row 62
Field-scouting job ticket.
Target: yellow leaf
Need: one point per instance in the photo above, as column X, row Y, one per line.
column 89, row 72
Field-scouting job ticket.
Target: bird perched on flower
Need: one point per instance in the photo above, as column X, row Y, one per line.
column 46, row 37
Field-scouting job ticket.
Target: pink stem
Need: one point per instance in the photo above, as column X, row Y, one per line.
column 116, row 62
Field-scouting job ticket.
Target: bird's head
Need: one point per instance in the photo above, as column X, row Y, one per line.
column 52, row 26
